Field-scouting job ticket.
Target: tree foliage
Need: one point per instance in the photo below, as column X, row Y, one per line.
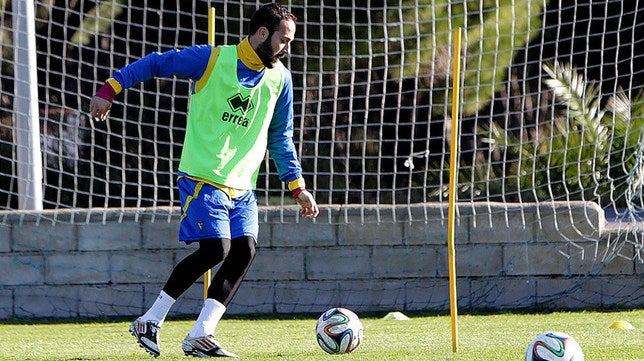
column 592, row 150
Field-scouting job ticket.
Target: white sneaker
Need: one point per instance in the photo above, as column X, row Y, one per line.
column 205, row 346
column 147, row 335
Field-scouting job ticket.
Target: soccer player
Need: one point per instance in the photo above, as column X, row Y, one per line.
column 241, row 105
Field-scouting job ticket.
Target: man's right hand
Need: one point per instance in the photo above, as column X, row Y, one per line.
column 99, row 108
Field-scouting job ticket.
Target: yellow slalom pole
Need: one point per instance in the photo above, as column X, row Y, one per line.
column 451, row 217
column 211, row 40
column 211, row 26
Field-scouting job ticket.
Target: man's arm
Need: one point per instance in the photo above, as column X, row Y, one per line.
column 280, row 135
column 282, row 150
column 189, row 63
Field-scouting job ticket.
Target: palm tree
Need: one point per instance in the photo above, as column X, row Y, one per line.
column 591, row 151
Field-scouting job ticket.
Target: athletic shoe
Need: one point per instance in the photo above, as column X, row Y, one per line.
column 205, row 346
column 147, row 334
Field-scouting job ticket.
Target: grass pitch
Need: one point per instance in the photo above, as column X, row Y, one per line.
column 488, row 337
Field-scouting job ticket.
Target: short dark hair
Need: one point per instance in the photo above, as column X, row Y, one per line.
column 269, row 16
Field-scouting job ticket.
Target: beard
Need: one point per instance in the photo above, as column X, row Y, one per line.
column 266, row 55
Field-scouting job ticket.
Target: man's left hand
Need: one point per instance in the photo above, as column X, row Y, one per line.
column 310, row 208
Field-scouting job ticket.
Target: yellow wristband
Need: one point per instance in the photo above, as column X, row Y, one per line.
column 115, row 85
column 298, row 183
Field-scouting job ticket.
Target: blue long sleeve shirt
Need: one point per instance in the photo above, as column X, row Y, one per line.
column 192, row 63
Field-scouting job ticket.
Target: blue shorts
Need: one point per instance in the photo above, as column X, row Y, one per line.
column 209, row 212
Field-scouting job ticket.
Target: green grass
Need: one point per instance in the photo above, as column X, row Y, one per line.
column 488, row 337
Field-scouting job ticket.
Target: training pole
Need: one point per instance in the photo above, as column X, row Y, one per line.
column 211, row 40
column 451, row 217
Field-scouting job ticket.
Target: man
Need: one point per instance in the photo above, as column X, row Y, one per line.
column 241, row 105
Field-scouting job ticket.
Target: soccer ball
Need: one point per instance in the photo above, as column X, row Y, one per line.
column 554, row 346
column 339, row 331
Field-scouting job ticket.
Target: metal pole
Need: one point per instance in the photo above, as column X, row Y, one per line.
column 25, row 107
column 207, row 277
column 453, row 183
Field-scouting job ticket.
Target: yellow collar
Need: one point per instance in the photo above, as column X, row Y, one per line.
column 248, row 56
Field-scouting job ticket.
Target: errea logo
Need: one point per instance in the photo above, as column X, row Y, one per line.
column 238, row 103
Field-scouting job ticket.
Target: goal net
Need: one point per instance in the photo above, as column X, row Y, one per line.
column 550, row 163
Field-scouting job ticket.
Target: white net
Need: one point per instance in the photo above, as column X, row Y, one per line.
column 551, row 154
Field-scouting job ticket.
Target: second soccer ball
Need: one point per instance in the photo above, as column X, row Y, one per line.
column 554, row 346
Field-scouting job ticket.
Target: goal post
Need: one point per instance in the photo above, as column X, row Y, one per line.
column 28, row 151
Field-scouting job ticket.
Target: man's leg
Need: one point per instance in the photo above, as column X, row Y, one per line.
column 146, row 327
column 188, row 271
column 224, row 285
column 230, row 275
column 201, row 341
